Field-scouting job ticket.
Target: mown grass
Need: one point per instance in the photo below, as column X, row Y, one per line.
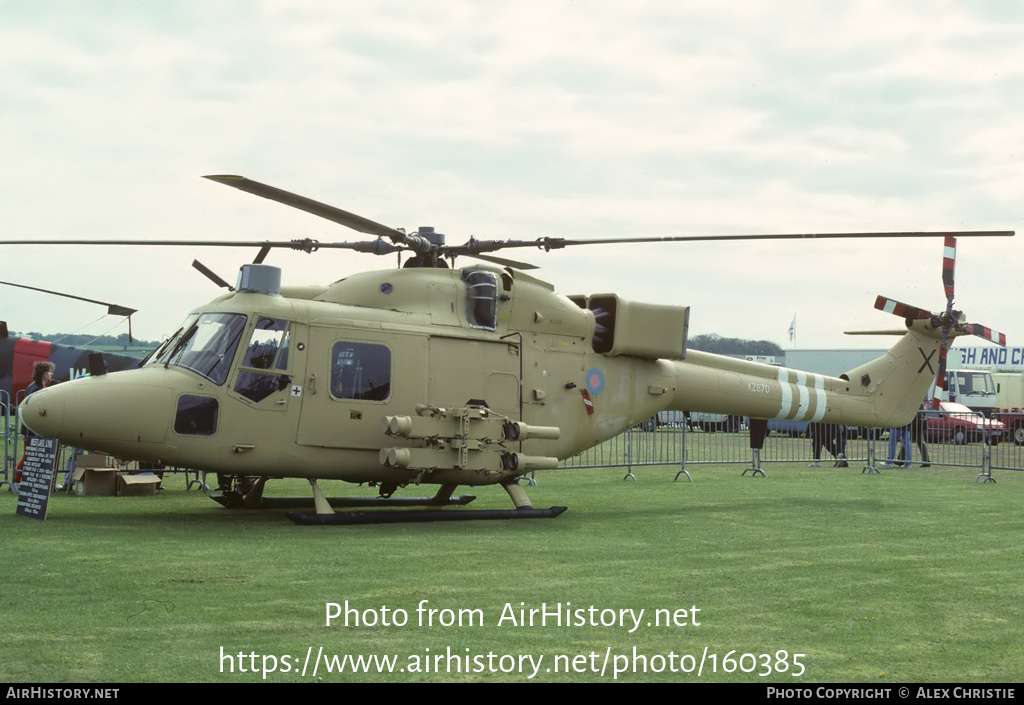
column 911, row 575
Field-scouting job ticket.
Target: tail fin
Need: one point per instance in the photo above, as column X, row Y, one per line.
column 893, row 386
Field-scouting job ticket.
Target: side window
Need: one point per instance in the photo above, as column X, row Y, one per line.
column 196, row 416
column 265, row 361
column 360, row 371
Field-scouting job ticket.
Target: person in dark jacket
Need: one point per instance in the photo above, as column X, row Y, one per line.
column 917, row 434
column 42, row 375
column 832, row 437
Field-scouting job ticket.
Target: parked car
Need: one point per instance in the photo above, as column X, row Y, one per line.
column 787, row 427
column 700, row 419
column 648, row 424
column 955, row 422
column 672, row 419
column 711, row 422
column 802, row 429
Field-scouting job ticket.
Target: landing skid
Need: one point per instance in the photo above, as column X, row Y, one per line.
column 425, row 515
column 234, row 500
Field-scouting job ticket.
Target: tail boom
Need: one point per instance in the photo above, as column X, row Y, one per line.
column 885, row 392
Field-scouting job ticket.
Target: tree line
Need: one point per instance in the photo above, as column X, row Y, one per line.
column 714, row 343
column 92, row 341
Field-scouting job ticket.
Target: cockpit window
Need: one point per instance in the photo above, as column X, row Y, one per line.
column 360, row 371
column 266, row 358
column 208, row 346
column 268, row 348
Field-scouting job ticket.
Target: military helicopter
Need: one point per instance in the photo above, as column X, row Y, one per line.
column 443, row 375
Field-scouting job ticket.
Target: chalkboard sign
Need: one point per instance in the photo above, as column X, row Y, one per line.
column 37, row 477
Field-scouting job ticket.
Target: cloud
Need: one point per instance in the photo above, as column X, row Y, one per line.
column 521, row 120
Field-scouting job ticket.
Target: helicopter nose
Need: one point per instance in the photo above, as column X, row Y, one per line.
column 43, row 418
column 96, row 412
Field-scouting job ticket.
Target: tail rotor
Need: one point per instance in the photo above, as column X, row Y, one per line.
column 950, row 321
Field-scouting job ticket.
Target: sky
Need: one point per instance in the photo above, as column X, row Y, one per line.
column 521, row 119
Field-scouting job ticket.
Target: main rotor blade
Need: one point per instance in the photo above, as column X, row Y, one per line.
column 331, row 213
column 377, row 247
column 335, row 215
column 211, row 275
column 554, row 243
column 478, row 246
column 112, row 309
column 505, row 262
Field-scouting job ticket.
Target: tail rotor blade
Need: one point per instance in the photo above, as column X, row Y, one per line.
column 940, row 378
column 987, row 333
column 896, row 308
column 948, row 267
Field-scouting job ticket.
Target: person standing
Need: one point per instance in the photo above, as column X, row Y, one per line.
column 902, row 435
column 42, row 375
column 917, row 433
column 832, row 437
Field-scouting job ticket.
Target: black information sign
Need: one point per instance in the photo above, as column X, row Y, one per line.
column 37, row 477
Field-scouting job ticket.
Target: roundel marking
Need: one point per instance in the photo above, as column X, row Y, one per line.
column 595, row 380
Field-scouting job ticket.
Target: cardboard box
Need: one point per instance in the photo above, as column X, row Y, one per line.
column 92, row 460
column 95, row 482
column 137, row 485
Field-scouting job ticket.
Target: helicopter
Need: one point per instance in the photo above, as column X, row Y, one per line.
column 433, row 374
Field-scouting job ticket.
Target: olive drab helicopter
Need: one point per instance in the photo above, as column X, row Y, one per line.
column 443, row 375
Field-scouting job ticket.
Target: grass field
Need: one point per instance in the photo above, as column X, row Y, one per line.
column 911, row 575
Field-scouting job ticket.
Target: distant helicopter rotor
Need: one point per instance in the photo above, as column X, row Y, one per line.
column 112, row 309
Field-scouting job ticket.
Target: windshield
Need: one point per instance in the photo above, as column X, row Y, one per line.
column 207, row 346
column 165, row 347
column 975, row 383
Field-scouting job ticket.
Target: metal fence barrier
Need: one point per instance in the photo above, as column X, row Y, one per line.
column 9, row 419
column 934, row 439
column 1009, row 453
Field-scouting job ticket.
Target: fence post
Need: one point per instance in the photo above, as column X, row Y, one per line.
column 629, row 452
column 986, row 462
column 870, row 468
column 682, row 459
column 758, row 431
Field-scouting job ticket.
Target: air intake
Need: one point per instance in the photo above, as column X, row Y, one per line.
column 259, row 279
